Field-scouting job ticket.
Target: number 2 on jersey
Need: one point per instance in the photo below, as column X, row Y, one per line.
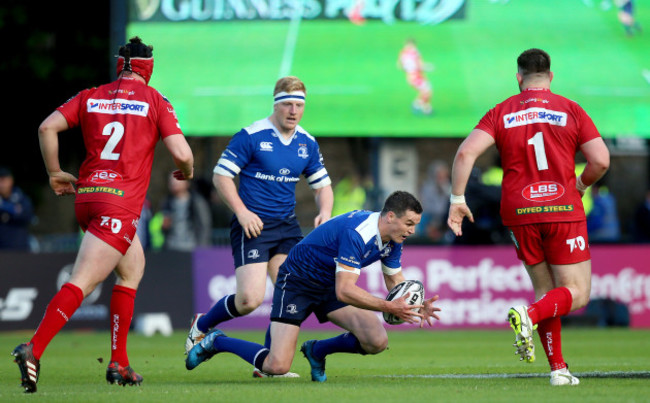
column 540, row 151
column 116, row 131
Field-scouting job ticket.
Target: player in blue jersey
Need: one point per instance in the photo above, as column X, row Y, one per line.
column 269, row 156
column 320, row 276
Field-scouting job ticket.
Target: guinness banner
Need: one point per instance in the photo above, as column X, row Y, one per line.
column 389, row 11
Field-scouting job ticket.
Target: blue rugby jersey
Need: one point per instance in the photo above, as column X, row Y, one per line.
column 351, row 239
column 270, row 166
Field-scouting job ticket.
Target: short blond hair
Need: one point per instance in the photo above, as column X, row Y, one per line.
column 289, row 84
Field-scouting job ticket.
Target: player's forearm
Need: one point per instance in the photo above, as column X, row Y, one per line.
column 49, row 143
column 472, row 147
column 228, row 192
column 392, row 281
column 181, row 154
column 325, row 201
column 461, row 169
column 356, row 296
column 48, row 138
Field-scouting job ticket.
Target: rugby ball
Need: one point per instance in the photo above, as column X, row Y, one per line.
column 416, row 297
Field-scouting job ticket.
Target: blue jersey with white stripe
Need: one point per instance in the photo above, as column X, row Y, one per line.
column 269, row 166
column 351, row 239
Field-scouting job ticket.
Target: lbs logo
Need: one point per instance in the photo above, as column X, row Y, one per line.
column 543, row 191
column 104, row 176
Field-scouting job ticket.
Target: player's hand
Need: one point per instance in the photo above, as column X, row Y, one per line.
column 456, row 214
column 62, row 183
column 251, row 224
column 179, row 175
column 429, row 311
column 408, row 313
column 319, row 219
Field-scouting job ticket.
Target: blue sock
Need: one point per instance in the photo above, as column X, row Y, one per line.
column 267, row 338
column 251, row 352
column 343, row 343
column 221, row 311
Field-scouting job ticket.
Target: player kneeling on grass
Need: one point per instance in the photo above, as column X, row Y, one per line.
column 319, row 276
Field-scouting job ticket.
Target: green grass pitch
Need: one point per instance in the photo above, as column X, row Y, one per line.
column 418, row 366
column 220, row 75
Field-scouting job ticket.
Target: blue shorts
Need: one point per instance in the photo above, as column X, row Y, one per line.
column 295, row 298
column 277, row 237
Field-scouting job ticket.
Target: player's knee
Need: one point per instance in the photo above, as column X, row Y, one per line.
column 248, row 303
column 375, row 345
column 276, row 367
column 580, row 301
column 580, row 298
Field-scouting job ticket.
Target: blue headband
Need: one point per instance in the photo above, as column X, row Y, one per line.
column 288, row 96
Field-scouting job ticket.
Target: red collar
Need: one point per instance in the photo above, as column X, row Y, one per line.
column 537, row 89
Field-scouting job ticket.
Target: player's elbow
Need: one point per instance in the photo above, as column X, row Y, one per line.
column 342, row 295
column 345, row 294
column 601, row 163
column 465, row 156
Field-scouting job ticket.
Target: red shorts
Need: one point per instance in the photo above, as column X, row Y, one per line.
column 555, row 243
column 108, row 222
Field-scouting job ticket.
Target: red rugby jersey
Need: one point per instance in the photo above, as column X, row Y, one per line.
column 538, row 134
column 121, row 123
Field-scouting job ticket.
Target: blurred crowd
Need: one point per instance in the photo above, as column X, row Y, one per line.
column 193, row 215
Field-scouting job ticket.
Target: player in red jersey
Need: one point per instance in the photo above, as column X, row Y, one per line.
column 410, row 60
column 121, row 123
column 538, row 134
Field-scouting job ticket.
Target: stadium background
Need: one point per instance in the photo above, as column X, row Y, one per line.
column 49, row 59
column 53, row 49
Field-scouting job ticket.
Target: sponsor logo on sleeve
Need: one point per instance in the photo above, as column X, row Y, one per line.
column 534, row 115
column 350, row 260
column 543, row 191
column 117, row 107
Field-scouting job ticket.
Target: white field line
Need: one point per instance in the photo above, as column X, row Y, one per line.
column 593, row 374
column 292, row 38
column 646, row 75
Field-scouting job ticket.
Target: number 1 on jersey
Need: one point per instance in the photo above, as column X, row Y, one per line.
column 116, row 131
column 540, row 151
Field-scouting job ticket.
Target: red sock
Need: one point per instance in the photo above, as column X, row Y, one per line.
column 550, row 335
column 554, row 303
column 58, row 312
column 122, row 301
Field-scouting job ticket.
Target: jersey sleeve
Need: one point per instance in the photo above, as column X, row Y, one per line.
column 167, row 119
column 489, row 123
column 70, row 110
column 394, row 258
column 315, row 172
column 236, row 155
column 350, row 251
